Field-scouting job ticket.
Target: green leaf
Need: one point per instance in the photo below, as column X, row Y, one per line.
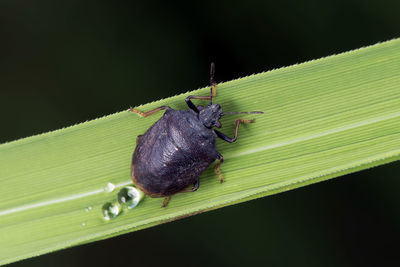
column 323, row 119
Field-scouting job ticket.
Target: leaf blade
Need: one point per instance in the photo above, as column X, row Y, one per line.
column 322, row 119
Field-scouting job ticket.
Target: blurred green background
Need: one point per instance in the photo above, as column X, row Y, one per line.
column 65, row 62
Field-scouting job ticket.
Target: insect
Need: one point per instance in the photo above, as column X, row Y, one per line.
column 174, row 151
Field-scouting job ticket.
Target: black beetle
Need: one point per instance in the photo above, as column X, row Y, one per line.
column 173, row 152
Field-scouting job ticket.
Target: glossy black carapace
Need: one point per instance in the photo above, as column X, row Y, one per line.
column 173, row 153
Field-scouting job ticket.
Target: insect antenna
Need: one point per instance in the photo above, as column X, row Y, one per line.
column 250, row 112
column 212, row 81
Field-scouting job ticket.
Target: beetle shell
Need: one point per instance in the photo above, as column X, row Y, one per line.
column 172, row 153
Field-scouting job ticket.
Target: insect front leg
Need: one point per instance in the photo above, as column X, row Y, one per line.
column 148, row 113
column 209, row 98
column 193, row 106
column 237, row 123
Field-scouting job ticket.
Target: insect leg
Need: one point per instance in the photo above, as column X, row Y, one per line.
column 209, row 98
column 216, row 167
column 193, row 106
column 148, row 113
column 196, row 185
column 237, row 123
column 165, row 202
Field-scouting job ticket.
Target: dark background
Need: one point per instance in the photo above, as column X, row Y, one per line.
column 64, row 62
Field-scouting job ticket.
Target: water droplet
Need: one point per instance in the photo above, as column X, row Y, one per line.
column 130, row 196
column 88, row 209
column 111, row 210
column 83, row 224
column 109, row 187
